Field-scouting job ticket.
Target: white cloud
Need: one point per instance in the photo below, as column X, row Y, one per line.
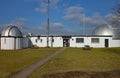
column 56, row 28
column 57, row 25
column 53, row 26
column 95, row 19
column 75, row 14
column 74, row 10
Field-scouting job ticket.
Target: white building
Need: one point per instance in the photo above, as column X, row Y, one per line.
column 103, row 36
column 12, row 39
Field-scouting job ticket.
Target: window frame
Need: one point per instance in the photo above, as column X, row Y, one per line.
column 95, row 40
column 79, row 40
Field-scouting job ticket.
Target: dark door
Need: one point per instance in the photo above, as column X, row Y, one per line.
column 106, row 43
column 66, row 43
column 0, row 42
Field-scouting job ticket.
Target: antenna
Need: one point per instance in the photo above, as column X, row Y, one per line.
column 84, row 24
column 48, row 24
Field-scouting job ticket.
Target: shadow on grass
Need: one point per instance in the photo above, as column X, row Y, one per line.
column 78, row 74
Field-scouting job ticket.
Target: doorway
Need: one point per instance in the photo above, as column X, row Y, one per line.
column 106, row 43
column 66, row 43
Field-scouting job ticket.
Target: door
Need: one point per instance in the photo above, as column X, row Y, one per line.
column 0, row 42
column 106, row 43
column 66, row 43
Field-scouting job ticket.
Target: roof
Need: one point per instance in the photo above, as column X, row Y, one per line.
column 12, row 31
column 105, row 30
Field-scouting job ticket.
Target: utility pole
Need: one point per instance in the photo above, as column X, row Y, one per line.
column 84, row 21
column 48, row 22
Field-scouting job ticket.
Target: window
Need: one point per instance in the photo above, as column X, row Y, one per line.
column 79, row 40
column 52, row 40
column 95, row 40
column 41, row 40
column 36, row 40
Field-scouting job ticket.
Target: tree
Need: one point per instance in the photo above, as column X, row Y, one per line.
column 115, row 18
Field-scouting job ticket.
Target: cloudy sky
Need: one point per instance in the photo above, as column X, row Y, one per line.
column 66, row 16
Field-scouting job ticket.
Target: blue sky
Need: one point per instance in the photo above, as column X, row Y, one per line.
column 66, row 16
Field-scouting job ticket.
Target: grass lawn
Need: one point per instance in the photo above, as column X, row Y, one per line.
column 13, row 61
column 77, row 60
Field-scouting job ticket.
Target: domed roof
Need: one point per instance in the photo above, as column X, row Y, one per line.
column 106, row 30
column 12, row 31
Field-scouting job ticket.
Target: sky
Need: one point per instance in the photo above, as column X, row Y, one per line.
column 75, row 17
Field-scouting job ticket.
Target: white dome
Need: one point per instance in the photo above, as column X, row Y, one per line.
column 12, row 31
column 106, row 30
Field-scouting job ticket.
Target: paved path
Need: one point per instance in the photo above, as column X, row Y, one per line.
column 28, row 70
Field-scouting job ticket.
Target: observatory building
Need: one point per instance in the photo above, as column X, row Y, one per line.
column 12, row 31
column 103, row 36
column 11, row 39
column 105, row 30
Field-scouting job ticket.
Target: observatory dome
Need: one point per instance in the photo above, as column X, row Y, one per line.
column 12, row 31
column 105, row 30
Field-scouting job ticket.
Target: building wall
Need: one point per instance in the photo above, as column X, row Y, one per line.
column 26, row 42
column 8, row 43
column 87, row 41
column 114, row 43
column 74, row 44
column 12, row 43
column 18, row 43
column 39, row 41
column 57, row 42
column 42, row 41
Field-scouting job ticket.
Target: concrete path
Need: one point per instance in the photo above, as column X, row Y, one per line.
column 28, row 70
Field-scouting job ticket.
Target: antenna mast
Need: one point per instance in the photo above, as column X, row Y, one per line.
column 48, row 22
column 84, row 20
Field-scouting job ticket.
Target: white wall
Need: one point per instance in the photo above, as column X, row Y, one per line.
column 7, row 43
column 87, row 41
column 42, row 41
column 74, row 44
column 58, row 42
column 11, row 43
column 114, row 43
column 26, row 42
column 18, row 43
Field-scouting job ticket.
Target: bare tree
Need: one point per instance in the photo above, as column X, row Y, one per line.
column 115, row 18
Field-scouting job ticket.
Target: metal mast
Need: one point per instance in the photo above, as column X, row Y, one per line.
column 48, row 20
column 84, row 20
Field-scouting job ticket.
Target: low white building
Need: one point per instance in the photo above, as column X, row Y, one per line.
column 94, row 41
column 41, row 41
column 76, row 41
column 12, row 39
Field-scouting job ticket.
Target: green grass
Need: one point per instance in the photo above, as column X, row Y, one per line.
column 13, row 61
column 76, row 59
